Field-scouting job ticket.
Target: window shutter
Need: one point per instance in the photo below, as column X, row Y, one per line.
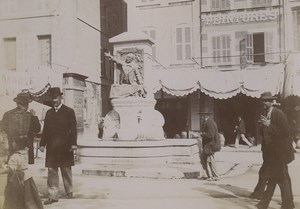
column 269, row 47
column 243, row 53
column 187, row 43
column 102, row 62
column 179, row 43
column 21, row 53
column 296, row 22
column 249, row 48
column 44, row 48
column 10, row 53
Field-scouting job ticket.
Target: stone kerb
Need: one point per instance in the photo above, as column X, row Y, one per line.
column 170, row 151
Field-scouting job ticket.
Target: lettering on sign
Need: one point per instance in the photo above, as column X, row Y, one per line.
column 240, row 17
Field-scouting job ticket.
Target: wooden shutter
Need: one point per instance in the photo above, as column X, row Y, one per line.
column 188, row 47
column 44, row 48
column 249, row 48
column 243, row 53
column 296, row 23
column 269, row 42
column 179, row 47
column 10, row 53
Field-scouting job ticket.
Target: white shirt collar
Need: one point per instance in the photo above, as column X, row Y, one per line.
column 57, row 108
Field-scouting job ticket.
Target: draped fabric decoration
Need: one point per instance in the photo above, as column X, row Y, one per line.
column 292, row 78
column 221, row 84
column 42, row 96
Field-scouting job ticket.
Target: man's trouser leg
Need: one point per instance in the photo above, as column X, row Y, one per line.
column 262, row 181
column 66, row 173
column 204, row 164
column 53, row 183
column 275, row 175
column 237, row 140
column 212, row 166
column 285, row 185
column 246, row 140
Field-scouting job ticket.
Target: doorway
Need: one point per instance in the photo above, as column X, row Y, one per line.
column 174, row 111
column 229, row 109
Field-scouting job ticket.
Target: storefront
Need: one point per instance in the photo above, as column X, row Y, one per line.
column 184, row 93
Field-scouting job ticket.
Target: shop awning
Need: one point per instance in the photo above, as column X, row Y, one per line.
column 292, row 81
column 221, row 84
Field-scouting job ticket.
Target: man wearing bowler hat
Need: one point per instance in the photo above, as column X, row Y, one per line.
column 210, row 135
column 18, row 123
column 60, row 139
column 278, row 155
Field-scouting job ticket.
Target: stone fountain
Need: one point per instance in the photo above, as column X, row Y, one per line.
column 133, row 134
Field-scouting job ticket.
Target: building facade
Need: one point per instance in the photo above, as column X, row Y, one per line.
column 292, row 59
column 216, row 56
column 43, row 40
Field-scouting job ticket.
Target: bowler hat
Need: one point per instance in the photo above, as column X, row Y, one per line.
column 267, row 96
column 54, row 92
column 23, row 98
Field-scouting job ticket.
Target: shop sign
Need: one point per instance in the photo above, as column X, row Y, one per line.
column 240, row 17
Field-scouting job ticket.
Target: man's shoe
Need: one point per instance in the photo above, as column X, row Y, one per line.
column 50, row 201
column 70, row 195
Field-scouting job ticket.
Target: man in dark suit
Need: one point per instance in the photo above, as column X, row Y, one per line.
column 60, row 139
column 21, row 124
column 209, row 134
column 279, row 155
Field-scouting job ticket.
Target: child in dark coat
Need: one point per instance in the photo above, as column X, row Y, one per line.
column 20, row 191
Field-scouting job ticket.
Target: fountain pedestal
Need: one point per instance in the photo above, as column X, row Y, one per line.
column 133, row 130
column 138, row 119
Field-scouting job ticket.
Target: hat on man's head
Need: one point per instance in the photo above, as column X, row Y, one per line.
column 267, row 96
column 23, row 98
column 54, row 92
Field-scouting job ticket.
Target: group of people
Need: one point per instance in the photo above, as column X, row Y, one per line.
column 59, row 137
column 277, row 152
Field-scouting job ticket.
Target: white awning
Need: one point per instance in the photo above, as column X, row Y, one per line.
column 220, row 84
column 292, row 81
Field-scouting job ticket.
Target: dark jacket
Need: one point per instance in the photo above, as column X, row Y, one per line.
column 241, row 127
column 209, row 132
column 282, row 149
column 27, row 125
column 59, row 134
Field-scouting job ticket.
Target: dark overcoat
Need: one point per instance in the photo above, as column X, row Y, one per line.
column 59, row 134
column 282, row 149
